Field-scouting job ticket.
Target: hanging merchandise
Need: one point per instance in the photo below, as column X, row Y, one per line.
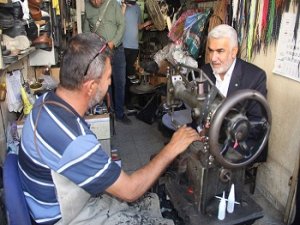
column 257, row 29
column 271, row 16
column 191, row 20
column 194, row 35
column 251, row 25
column 156, row 15
column 219, row 15
column 56, row 20
column 13, row 87
column 264, row 19
column 2, row 91
column 257, row 20
column 177, row 29
column 235, row 7
column 26, row 103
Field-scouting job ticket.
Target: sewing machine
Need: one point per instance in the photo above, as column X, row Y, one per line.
column 194, row 183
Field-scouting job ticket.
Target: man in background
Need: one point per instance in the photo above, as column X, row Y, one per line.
column 105, row 18
column 228, row 72
column 133, row 24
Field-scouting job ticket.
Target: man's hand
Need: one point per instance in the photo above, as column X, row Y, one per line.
column 147, row 25
column 131, row 187
column 123, row 7
column 182, row 138
column 111, row 45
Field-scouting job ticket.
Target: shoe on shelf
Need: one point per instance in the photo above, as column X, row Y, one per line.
column 17, row 11
column 35, row 11
column 131, row 77
column 124, row 120
column 130, row 109
column 135, row 81
column 43, row 42
column 35, row 2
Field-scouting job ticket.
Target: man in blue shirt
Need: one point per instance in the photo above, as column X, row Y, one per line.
column 64, row 171
column 133, row 24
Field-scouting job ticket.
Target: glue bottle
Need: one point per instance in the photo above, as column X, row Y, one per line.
column 222, row 208
column 231, row 200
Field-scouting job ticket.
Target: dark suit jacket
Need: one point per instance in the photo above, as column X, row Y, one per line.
column 245, row 76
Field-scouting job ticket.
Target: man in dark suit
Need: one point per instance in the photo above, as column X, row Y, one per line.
column 229, row 73
column 224, row 68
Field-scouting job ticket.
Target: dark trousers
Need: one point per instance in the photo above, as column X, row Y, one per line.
column 130, row 56
column 118, row 81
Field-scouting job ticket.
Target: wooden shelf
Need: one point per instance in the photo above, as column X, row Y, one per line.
column 22, row 54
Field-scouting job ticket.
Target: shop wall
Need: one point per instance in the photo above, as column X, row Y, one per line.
column 284, row 143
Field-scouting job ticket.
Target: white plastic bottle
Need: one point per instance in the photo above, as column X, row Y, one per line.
column 222, row 208
column 231, row 200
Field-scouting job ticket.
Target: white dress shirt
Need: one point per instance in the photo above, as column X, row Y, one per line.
column 223, row 85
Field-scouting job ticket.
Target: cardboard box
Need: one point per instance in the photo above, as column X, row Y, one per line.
column 100, row 125
column 42, row 57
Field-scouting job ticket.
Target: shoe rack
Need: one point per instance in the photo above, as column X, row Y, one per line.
column 9, row 62
column 19, row 63
column 42, row 13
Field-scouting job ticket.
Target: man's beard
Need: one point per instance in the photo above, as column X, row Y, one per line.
column 221, row 70
column 97, row 5
column 96, row 100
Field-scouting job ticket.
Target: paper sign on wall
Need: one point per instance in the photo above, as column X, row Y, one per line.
column 287, row 62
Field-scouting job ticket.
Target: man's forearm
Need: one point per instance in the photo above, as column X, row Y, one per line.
column 131, row 187
column 145, row 177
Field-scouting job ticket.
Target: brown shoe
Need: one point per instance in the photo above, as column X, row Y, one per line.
column 43, row 42
column 35, row 2
column 35, row 11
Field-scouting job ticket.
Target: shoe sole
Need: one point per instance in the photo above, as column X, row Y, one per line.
column 43, row 47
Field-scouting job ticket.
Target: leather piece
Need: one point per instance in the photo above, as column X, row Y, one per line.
column 6, row 19
column 45, row 6
column 16, row 30
column 35, row 11
column 46, row 28
column 6, row 52
column 150, row 66
column 43, row 42
column 31, row 29
column 17, row 10
column 20, row 42
column 9, row 59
